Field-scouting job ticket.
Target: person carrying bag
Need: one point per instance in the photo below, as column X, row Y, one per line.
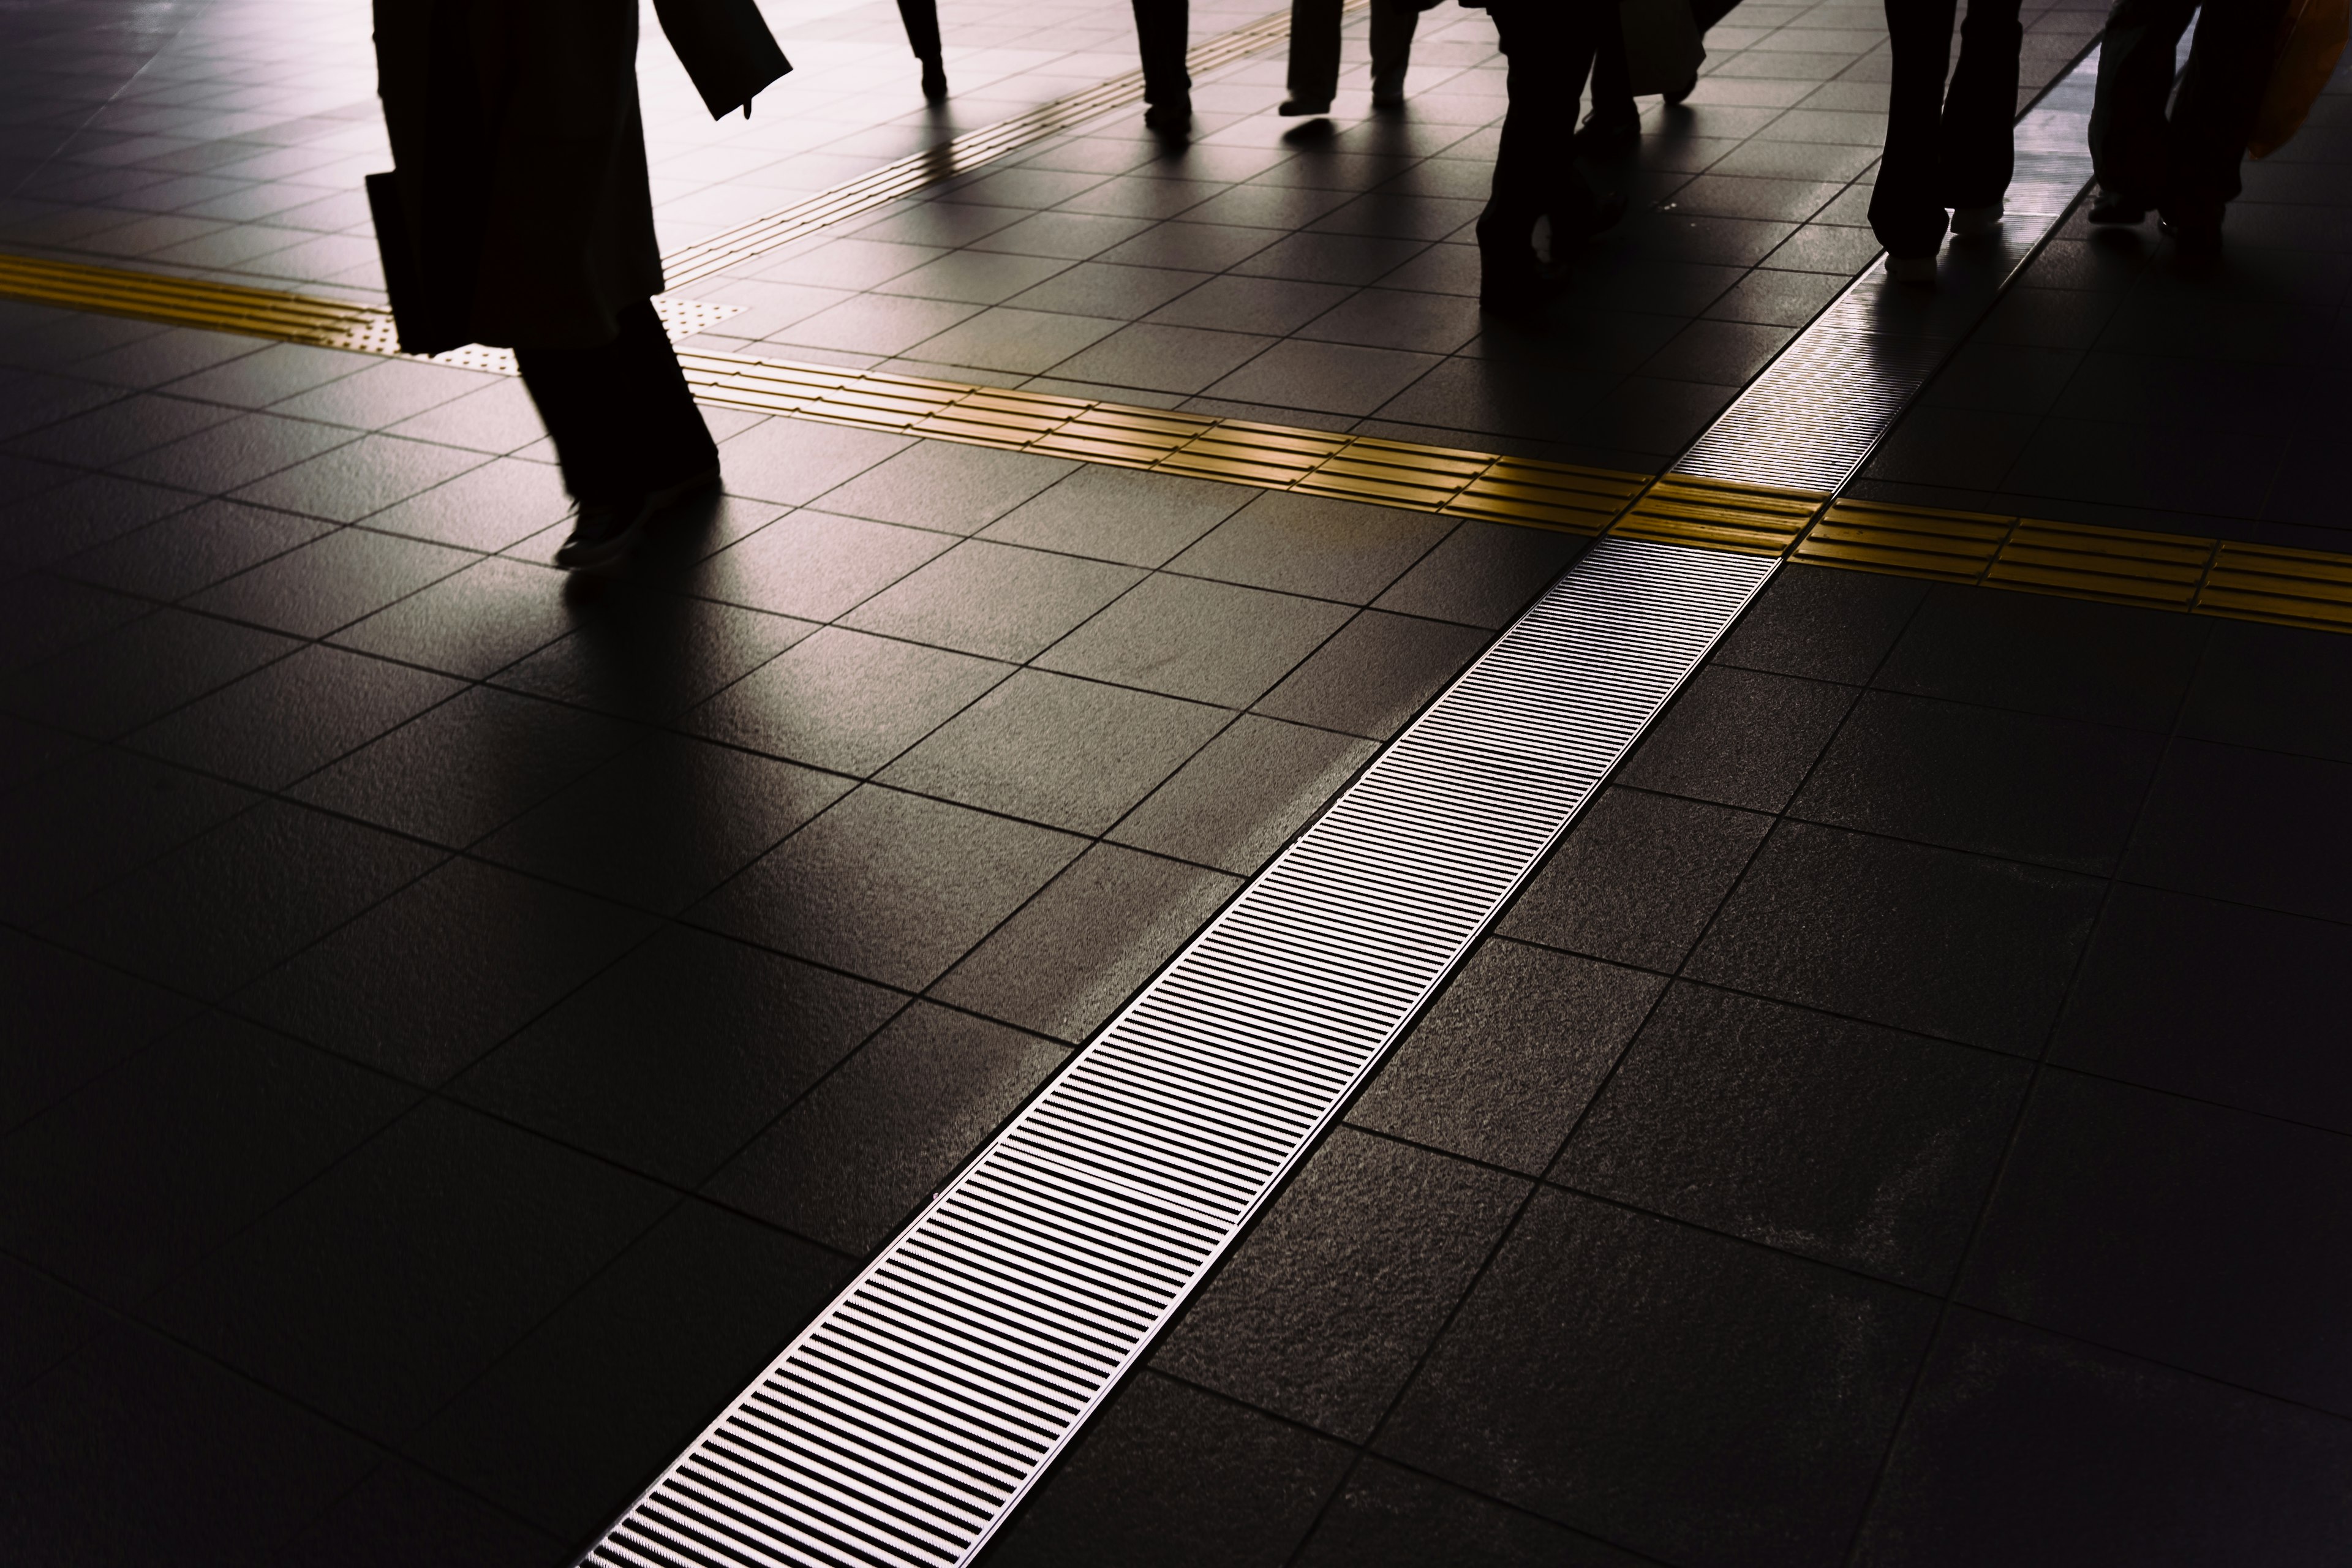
column 518, row 213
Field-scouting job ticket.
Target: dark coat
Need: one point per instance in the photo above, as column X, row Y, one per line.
column 521, row 154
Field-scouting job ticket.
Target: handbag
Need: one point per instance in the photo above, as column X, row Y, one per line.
column 2311, row 40
column 1662, row 46
column 726, row 47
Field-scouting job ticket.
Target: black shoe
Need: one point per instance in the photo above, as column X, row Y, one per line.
column 1297, row 108
column 1168, row 118
column 1607, row 210
column 1677, row 94
column 2115, row 207
column 935, row 81
column 608, row 530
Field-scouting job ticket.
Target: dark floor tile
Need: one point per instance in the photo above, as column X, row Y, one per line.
column 1330, row 378
column 697, row 813
column 845, row 700
column 427, row 980
column 1314, row 545
column 237, row 452
column 1776, row 298
column 792, row 461
column 494, row 507
column 1324, row 1310
column 1244, row 795
column 2207, row 1238
column 569, row 1452
column 1211, row 642
column 1392, row 1518
column 400, row 1516
column 2215, row 1001
column 2253, row 827
column 1505, row 1063
column 1928, row 940
column 993, row 599
column 891, row 886
column 1481, row 574
column 139, row 1450
column 1086, row 942
column 67, row 1021
column 293, row 716
column 147, row 1170
column 42, row 616
column 388, row 1285
column 269, row 375
column 42, row 1322
column 2023, row 1447
column 1075, row 754
column 2274, row 687
column 1822, row 624
column 460, row 771
column 1118, row 514
column 875, row 1140
column 2101, row 663
column 193, row 549
column 474, row 623
column 140, row 672
column 1692, row 1396
column 1740, row 737
column 330, row 582
column 91, row 819
column 122, row 429
column 366, row 476
column 212, row 915
column 1842, row 1142
column 937, row 485
column 1637, row 879
column 55, row 522
column 1374, row 674
column 2019, row 785
column 814, row 566
column 652, row 655
column 1156, row 356
column 605, row 1071
column 1169, row 1475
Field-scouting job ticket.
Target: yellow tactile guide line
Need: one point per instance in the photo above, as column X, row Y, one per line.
column 2298, row 588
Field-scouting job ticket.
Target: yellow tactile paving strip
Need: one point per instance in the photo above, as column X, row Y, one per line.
column 2168, row 570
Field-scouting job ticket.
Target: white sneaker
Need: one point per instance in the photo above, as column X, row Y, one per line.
column 1912, row 269
column 1976, row 220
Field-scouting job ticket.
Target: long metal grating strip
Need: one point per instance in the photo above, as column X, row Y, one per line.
column 910, row 1417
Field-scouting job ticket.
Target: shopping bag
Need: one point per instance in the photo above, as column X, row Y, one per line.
column 1662, row 45
column 421, row 316
column 725, row 47
column 2311, row 40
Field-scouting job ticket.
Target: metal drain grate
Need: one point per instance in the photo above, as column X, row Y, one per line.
column 905, row 1423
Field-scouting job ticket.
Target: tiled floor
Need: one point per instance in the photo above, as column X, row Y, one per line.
column 432, row 985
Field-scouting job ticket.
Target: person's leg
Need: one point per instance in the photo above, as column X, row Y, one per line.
column 1615, row 118
column 1162, row 29
column 1313, row 56
column 1906, row 211
column 627, row 433
column 1395, row 22
column 921, row 19
column 1976, row 151
column 2230, row 63
column 2127, row 132
column 1547, row 45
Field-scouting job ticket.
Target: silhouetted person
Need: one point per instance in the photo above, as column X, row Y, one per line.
column 519, row 215
column 1615, row 121
column 1315, row 52
column 1947, row 148
column 1162, row 31
column 2184, row 165
column 1548, row 46
column 921, row 19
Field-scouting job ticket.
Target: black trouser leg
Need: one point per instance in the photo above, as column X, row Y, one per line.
column 1395, row 22
column 1612, row 76
column 2127, row 130
column 1976, row 149
column 622, row 419
column 922, row 21
column 1314, row 49
column 1906, row 209
column 1162, row 29
column 1548, row 45
column 2229, row 70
